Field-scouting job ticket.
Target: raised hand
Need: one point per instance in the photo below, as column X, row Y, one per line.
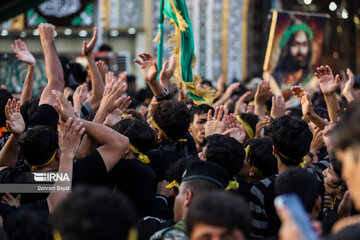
column 112, row 96
column 304, row 97
column 69, row 136
column 317, row 142
column 89, row 47
column 8, row 199
column 239, row 105
column 116, row 115
column 278, row 107
column 234, row 128
column 102, row 68
column 148, row 67
column 328, row 84
column 22, row 53
column 15, row 122
column 46, row 32
column 262, row 93
column 79, row 97
column 63, row 107
column 216, row 124
column 264, row 121
column 347, row 92
column 167, row 72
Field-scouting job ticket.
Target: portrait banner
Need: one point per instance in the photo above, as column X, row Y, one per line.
column 294, row 48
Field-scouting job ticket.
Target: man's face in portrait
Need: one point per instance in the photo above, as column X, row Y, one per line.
column 299, row 49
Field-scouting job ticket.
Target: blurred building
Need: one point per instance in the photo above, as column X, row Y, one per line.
column 230, row 35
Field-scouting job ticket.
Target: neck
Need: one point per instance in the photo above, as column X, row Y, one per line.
column 129, row 155
column 199, row 147
column 281, row 166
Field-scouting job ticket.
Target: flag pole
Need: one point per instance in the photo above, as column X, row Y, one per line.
column 161, row 43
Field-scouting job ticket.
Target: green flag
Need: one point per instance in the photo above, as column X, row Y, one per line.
column 182, row 43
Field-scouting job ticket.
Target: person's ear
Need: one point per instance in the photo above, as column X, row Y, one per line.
column 252, row 172
column 128, row 150
column 188, row 198
column 275, row 151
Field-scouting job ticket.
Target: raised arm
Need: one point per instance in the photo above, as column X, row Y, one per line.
column 328, row 85
column 307, row 107
column 113, row 144
column 111, row 100
column 53, row 69
column 149, row 70
column 347, row 92
column 96, row 78
column 24, row 55
column 69, row 140
column 261, row 96
column 167, row 72
column 15, row 123
column 228, row 92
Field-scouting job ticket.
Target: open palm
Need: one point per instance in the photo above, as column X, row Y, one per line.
column 328, row 84
column 148, row 67
column 22, row 53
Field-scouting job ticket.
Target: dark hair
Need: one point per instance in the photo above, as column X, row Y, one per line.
column 347, row 131
column 223, row 209
column 140, row 134
column 337, row 167
column 200, row 109
column 300, row 181
column 4, row 97
column 251, row 119
column 28, row 224
column 351, row 232
column 176, row 170
column 39, row 144
column 29, row 108
column 94, row 213
column 225, row 151
column 199, row 187
column 135, row 114
column 261, row 156
column 292, row 138
column 130, row 78
column 172, row 117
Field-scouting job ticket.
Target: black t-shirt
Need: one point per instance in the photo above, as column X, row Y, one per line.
column 138, row 181
column 169, row 152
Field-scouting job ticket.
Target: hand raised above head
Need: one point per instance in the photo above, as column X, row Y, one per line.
column 89, row 47
column 328, row 84
column 22, row 53
column 63, row 107
column 15, row 122
column 148, row 67
column 46, row 32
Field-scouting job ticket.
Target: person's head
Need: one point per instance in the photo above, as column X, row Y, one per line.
column 28, row 108
column 259, row 162
column 140, row 134
column 39, row 148
column 296, row 42
column 198, row 121
column 177, row 169
column 131, row 81
column 173, row 118
column 218, row 215
column 225, row 151
column 135, row 114
column 346, row 142
column 305, row 185
column 94, row 213
column 4, row 97
column 351, row 232
column 199, row 178
column 335, row 186
column 28, row 224
column 291, row 138
column 249, row 122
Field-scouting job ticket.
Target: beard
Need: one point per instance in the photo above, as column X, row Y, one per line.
column 297, row 62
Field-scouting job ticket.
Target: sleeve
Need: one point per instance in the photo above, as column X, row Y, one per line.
column 90, row 170
column 259, row 217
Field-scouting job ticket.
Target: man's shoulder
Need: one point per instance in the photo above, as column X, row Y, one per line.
column 170, row 233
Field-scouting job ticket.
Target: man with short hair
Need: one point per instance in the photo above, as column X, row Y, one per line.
column 218, row 215
column 199, row 178
column 291, row 139
column 197, row 125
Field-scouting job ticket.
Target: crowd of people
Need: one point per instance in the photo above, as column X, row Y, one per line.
column 151, row 164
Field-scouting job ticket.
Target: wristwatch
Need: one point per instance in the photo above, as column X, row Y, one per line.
column 163, row 96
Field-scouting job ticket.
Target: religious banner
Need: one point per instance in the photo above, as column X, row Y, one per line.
column 294, row 48
column 63, row 13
